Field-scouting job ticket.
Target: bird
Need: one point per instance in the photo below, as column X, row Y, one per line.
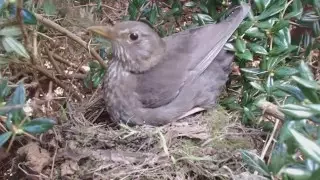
column 153, row 80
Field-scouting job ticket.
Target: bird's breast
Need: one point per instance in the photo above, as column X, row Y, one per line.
column 119, row 94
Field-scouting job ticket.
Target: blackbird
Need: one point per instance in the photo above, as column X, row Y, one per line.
column 155, row 81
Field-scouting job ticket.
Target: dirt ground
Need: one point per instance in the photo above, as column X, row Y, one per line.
column 85, row 145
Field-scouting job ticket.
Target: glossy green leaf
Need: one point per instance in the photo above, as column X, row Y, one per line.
column 203, row 19
column 262, row 4
column 38, row 125
column 240, row 45
column 278, row 157
column 12, row 45
column 285, row 71
column 310, row 94
column 255, row 162
column 286, row 136
column 4, row 137
column 15, row 117
column 257, row 49
column 269, row 84
column 310, row 16
column 281, row 50
column 4, row 89
column 257, row 86
column 244, row 26
column 10, row 31
column 248, row 113
column 306, row 83
column 315, row 175
column 28, row 17
column 315, row 107
column 153, row 14
column 305, row 71
column 297, row 9
column 18, row 96
column 254, row 32
column 297, row 172
column 229, row 47
column 316, row 28
column 190, row 4
column 280, row 25
column 255, row 71
column 247, row 55
column 308, row 147
column 293, row 91
column 297, row 111
column 311, row 165
column 275, row 8
column 268, row 24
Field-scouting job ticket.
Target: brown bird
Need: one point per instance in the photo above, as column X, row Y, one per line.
column 153, row 80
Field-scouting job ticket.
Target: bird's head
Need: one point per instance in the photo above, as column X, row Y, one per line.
column 135, row 44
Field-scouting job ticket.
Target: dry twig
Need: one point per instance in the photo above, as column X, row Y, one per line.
column 71, row 35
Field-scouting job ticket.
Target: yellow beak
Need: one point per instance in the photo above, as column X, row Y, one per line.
column 104, row 31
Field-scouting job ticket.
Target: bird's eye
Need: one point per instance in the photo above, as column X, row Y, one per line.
column 133, row 36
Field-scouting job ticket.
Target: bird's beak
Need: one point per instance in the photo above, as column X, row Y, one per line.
column 104, row 31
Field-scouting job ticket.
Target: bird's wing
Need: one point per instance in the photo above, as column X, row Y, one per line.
column 187, row 56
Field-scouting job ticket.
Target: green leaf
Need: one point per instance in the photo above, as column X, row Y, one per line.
column 297, row 10
column 5, row 137
column 255, row 71
column 282, row 50
column 292, row 90
column 18, row 96
column 297, row 172
column 49, row 7
column 285, row 71
column 4, row 89
column 262, row 4
column 248, row 113
column 15, row 117
column 240, row 45
column 310, row 16
column 10, row 31
column 315, row 175
column 297, row 111
column 305, row 71
column 255, row 162
column 247, row 55
column 153, row 14
column 28, row 17
column 306, row 83
column 311, row 165
column 254, row 32
column 38, row 125
column 280, row 25
column 244, row 26
column 308, row 147
column 257, row 86
column 272, row 10
column 203, row 19
column 190, row 4
column 278, row 157
column 268, row 24
column 316, row 28
column 257, row 49
column 315, row 107
column 12, row 45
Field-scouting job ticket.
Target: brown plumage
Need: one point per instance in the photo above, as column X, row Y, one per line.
column 153, row 80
